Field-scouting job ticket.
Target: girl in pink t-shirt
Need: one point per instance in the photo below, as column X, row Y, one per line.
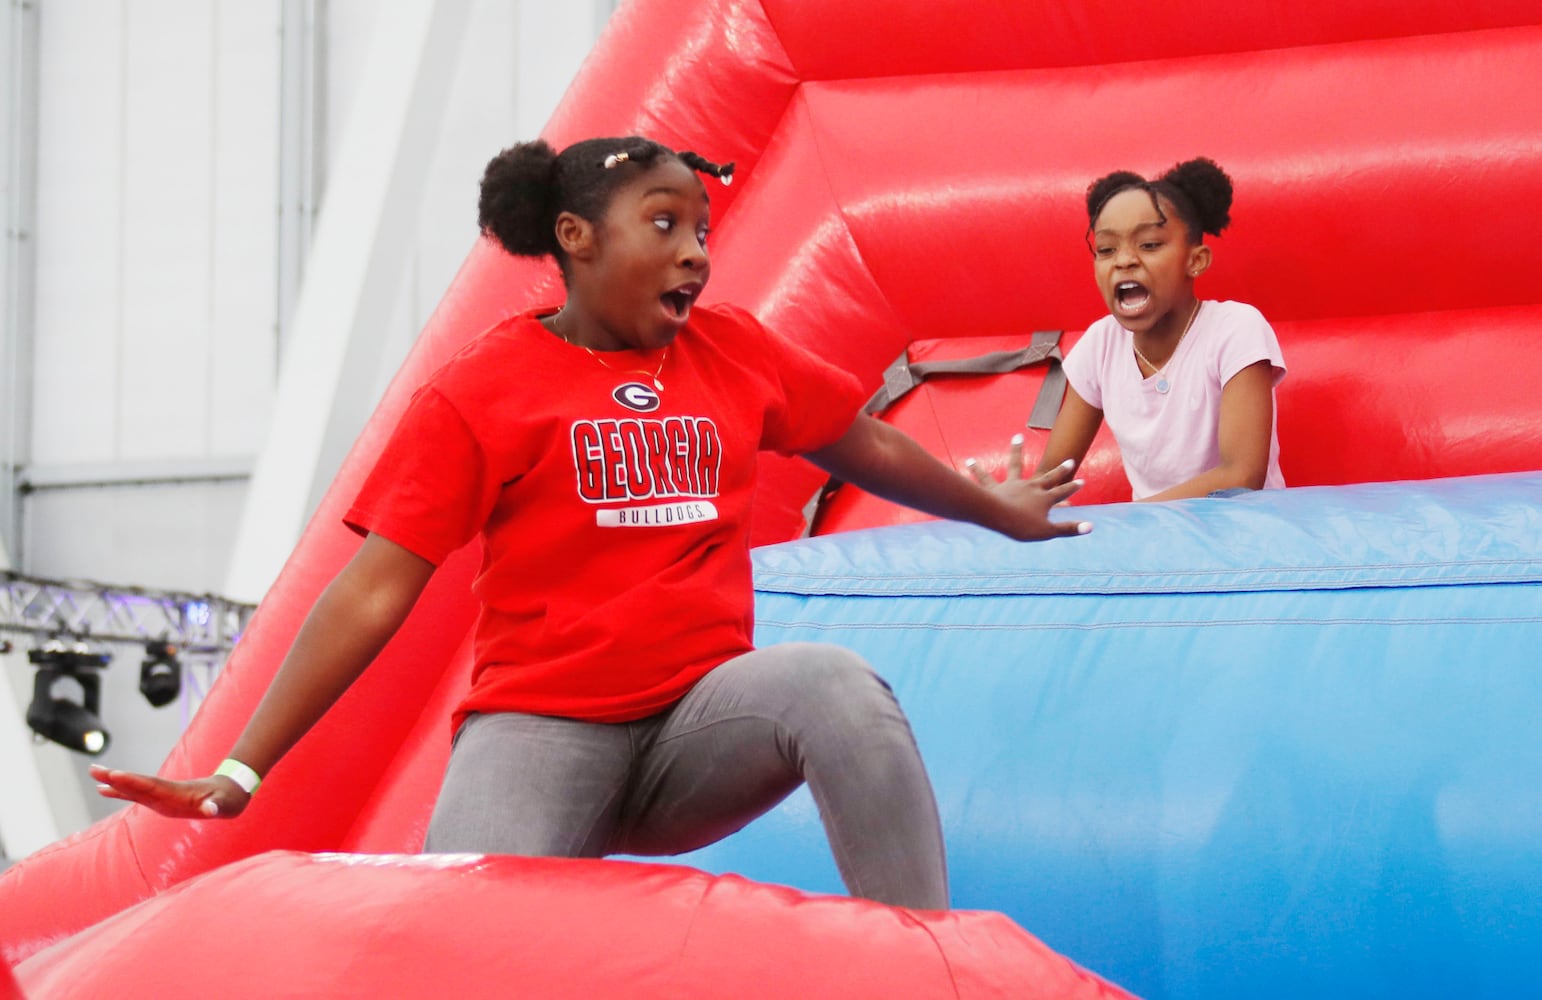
column 1187, row 386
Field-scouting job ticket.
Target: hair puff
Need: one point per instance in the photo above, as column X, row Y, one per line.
column 516, row 203
column 1209, row 190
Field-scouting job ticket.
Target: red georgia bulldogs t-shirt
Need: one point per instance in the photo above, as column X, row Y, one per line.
column 614, row 516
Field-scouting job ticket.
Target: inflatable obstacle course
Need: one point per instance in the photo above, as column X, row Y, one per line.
column 930, row 187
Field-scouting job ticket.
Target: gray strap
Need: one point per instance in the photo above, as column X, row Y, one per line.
column 901, row 376
column 1051, row 394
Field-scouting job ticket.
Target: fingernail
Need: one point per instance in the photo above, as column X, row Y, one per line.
column 103, row 788
column 1078, row 483
column 1069, row 463
column 209, row 807
column 1017, row 439
column 1084, row 527
column 970, row 463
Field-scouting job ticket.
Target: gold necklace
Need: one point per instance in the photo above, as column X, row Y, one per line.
column 654, row 375
column 1162, row 384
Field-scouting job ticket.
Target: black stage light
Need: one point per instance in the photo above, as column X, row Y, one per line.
column 160, row 675
column 76, row 725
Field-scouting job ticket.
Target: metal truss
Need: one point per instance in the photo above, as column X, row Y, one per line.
column 197, row 623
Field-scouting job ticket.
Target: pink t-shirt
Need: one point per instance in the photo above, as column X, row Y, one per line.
column 1169, row 438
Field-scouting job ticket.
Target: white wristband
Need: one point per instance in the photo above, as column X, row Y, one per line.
column 241, row 774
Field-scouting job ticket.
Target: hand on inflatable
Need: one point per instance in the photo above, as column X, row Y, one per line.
column 888, row 463
column 1014, row 464
column 1032, row 499
column 201, row 798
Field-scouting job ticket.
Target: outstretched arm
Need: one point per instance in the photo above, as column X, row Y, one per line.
column 352, row 620
column 886, row 462
column 1075, row 426
column 1246, row 427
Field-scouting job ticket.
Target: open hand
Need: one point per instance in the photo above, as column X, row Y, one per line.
column 1028, row 501
column 201, row 798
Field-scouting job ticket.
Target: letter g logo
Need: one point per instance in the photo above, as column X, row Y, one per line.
column 636, row 396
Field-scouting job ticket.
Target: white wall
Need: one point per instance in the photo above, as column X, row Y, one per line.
column 155, row 314
column 155, row 342
column 155, row 346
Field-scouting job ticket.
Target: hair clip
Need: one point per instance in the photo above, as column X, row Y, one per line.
column 615, row 158
column 726, row 174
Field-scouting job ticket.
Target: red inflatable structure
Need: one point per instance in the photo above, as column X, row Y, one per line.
column 467, row 925
column 907, row 172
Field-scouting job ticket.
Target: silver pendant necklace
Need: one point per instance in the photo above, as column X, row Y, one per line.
column 1162, row 385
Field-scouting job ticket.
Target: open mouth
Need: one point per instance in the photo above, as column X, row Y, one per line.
column 678, row 300
column 1131, row 295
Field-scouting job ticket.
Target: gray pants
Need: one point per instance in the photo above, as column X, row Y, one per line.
column 739, row 742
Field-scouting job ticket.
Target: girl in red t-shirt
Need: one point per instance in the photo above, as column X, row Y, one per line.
column 604, row 451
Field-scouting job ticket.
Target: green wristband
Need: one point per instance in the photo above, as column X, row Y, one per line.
column 241, row 774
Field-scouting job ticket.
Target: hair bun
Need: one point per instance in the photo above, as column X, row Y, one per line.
column 516, row 199
column 1209, row 189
